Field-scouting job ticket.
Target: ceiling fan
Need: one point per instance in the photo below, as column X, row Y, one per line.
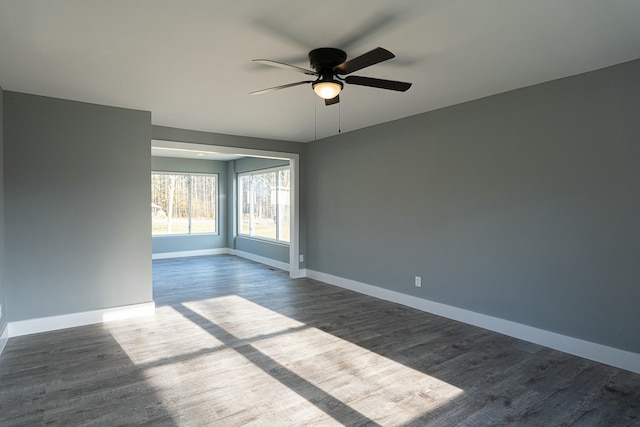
column 329, row 64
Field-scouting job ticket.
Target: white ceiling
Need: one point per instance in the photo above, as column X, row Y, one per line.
column 189, row 61
column 184, row 153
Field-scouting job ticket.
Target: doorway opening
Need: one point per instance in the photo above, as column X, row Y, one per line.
column 187, row 150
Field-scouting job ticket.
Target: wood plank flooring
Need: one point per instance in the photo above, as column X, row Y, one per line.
column 236, row 343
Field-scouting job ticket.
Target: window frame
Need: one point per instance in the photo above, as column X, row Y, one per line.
column 239, row 200
column 217, row 202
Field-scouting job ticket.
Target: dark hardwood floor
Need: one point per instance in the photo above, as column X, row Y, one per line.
column 237, row 343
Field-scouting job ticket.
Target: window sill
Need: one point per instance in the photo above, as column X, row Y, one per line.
column 162, row 236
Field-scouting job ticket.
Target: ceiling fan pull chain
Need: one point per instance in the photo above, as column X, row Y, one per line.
column 339, row 118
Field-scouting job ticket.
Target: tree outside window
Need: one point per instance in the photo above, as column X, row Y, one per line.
column 264, row 204
column 183, row 204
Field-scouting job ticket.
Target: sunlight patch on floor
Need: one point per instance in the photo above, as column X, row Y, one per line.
column 214, row 381
column 377, row 387
column 235, row 361
column 168, row 336
column 242, row 318
column 187, row 368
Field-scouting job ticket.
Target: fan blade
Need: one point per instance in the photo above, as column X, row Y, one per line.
column 379, row 83
column 271, row 89
column 285, row 66
column 365, row 60
column 332, row 100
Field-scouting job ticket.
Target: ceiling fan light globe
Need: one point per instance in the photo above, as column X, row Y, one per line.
column 327, row 90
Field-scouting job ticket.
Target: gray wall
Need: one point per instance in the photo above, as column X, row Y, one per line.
column 276, row 252
column 163, row 244
column 3, row 317
column 165, row 133
column 522, row 206
column 77, row 199
column 250, row 164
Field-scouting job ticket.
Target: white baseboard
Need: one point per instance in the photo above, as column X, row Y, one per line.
column 183, row 254
column 301, row 273
column 52, row 323
column 4, row 336
column 262, row 260
column 589, row 350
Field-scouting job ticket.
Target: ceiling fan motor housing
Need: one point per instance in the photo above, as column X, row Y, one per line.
column 324, row 59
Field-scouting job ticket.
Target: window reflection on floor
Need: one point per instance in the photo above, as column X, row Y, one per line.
column 247, row 363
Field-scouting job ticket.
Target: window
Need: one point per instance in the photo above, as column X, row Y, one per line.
column 263, row 204
column 183, row 204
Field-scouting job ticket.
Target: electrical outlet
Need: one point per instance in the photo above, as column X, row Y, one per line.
column 418, row 281
column 301, row 258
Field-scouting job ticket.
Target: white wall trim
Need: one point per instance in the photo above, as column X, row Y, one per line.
column 262, row 260
column 52, row 323
column 589, row 350
column 294, row 220
column 4, row 337
column 184, row 254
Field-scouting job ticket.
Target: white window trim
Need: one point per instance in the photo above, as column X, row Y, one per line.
column 210, row 233
column 260, row 172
